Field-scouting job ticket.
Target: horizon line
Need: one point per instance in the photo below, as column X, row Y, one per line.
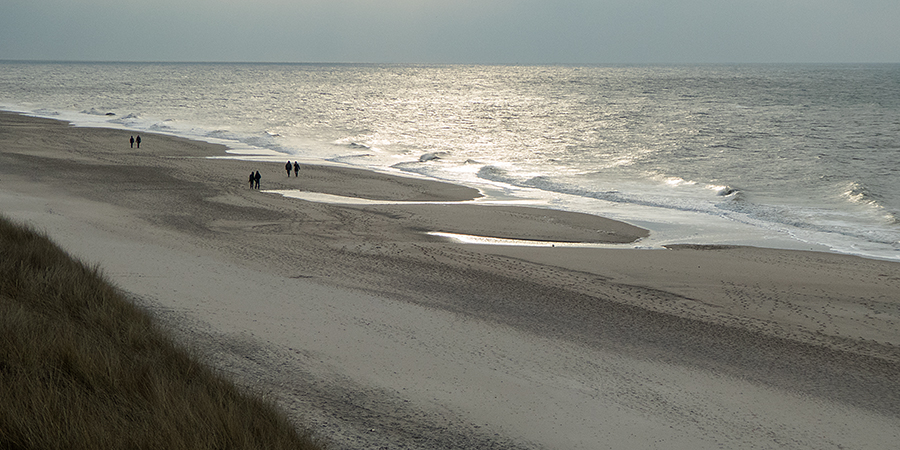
column 582, row 64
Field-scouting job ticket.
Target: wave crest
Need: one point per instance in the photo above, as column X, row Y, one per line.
column 96, row 112
column 724, row 190
column 858, row 193
column 431, row 156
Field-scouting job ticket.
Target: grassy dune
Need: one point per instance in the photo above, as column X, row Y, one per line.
column 82, row 368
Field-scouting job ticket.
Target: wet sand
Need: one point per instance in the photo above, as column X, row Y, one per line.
column 380, row 335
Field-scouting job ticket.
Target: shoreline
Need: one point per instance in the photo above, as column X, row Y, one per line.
column 662, row 233
column 230, row 262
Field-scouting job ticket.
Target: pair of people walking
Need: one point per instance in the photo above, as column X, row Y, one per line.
column 254, row 179
column 136, row 141
column 288, row 166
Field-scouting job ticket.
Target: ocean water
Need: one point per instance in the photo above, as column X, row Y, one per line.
column 790, row 156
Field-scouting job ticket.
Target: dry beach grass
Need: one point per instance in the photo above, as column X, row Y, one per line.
column 83, row 368
column 353, row 319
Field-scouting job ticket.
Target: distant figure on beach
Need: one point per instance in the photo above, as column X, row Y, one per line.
column 252, row 179
column 256, row 178
column 132, row 141
column 296, row 169
column 288, row 167
column 138, row 141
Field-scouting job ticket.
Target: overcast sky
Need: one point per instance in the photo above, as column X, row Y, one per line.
column 452, row 31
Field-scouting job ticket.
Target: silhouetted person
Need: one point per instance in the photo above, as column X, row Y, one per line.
column 138, row 141
column 256, row 178
column 296, row 169
column 288, row 167
column 132, row 142
column 252, row 179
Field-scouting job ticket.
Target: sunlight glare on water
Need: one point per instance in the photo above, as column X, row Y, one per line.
column 799, row 152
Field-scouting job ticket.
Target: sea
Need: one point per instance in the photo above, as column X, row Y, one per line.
column 781, row 156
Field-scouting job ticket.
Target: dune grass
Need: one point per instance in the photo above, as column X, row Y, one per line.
column 83, row 368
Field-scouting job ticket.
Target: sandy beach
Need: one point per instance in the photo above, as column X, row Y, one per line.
column 379, row 335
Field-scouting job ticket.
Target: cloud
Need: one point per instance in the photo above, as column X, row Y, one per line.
column 480, row 31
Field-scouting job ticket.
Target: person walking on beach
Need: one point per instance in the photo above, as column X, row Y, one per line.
column 132, row 141
column 138, row 141
column 256, row 178
column 288, row 167
column 252, row 179
column 296, row 169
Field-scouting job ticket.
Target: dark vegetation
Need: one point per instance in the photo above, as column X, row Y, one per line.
column 82, row 368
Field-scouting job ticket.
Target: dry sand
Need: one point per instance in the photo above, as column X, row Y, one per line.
column 378, row 335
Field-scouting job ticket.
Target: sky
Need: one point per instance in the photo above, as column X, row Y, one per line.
column 453, row 31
